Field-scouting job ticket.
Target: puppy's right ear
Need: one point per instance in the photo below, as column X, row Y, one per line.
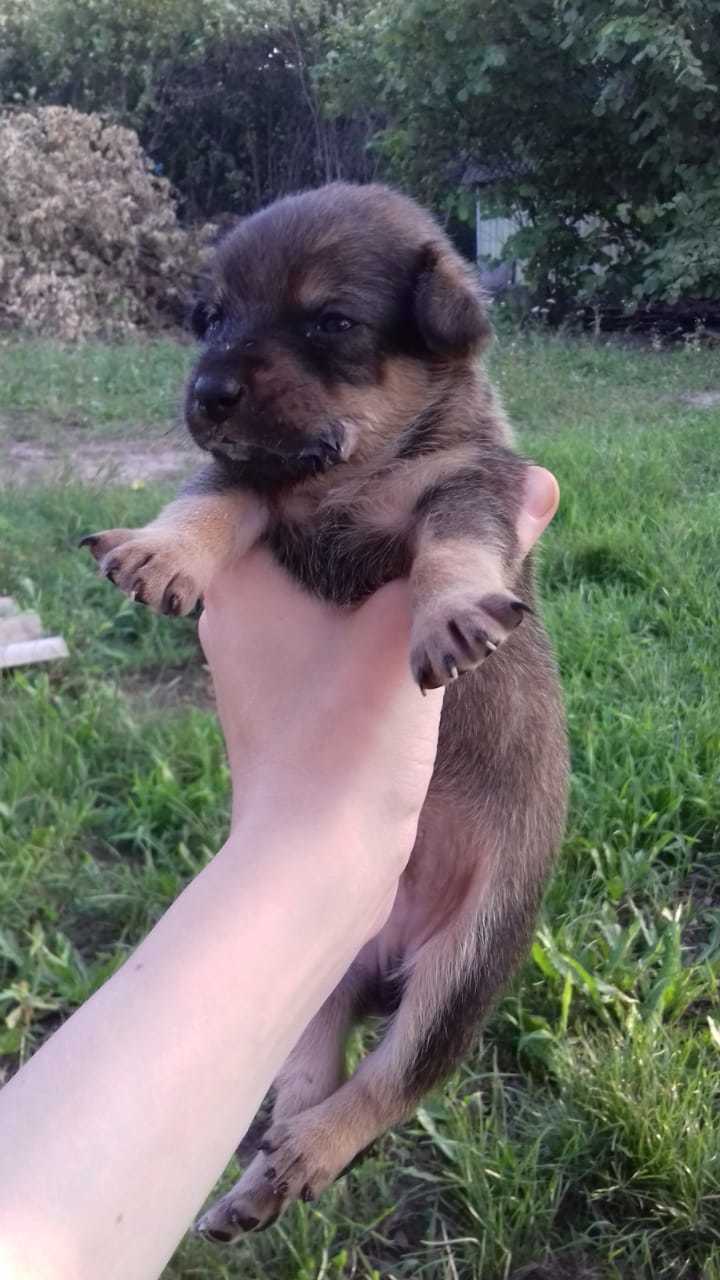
column 449, row 304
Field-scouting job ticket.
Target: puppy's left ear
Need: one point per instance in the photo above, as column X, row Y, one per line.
column 449, row 304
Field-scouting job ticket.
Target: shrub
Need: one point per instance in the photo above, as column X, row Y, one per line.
column 89, row 239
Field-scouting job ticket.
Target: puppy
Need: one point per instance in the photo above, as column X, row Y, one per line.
column 352, row 430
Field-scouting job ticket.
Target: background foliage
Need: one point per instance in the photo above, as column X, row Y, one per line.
column 221, row 93
column 598, row 120
column 90, row 243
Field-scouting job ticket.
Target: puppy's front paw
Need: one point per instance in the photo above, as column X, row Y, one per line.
column 147, row 566
column 456, row 635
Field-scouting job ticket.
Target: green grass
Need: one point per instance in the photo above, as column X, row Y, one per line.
column 583, row 1132
column 96, row 385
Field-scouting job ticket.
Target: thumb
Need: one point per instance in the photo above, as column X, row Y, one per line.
column 542, row 496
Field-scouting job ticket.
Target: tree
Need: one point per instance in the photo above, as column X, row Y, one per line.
column 600, row 120
column 220, row 92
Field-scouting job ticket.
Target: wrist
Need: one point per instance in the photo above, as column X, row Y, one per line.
column 330, row 879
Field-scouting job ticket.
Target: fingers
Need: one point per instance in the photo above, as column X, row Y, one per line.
column 542, row 496
column 242, row 598
column 203, row 633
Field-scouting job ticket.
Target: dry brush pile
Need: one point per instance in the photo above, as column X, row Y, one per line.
column 90, row 244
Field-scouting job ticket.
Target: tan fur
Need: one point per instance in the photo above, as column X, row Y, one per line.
column 381, row 498
column 384, row 409
column 453, row 567
column 314, row 285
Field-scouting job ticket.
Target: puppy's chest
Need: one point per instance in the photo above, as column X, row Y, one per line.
column 338, row 557
column 345, row 540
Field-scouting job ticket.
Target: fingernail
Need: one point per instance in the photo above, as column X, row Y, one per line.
column 540, row 492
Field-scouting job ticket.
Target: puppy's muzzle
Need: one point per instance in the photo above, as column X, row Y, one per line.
column 217, row 394
column 289, row 464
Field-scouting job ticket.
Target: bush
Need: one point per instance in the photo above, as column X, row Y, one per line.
column 595, row 124
column 89, row 239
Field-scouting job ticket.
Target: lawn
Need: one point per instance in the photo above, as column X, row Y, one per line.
column 583, row 1135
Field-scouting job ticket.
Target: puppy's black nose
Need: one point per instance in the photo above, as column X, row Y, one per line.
column 216, row 393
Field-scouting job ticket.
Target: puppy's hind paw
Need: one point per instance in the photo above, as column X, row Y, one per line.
column 251, row 1205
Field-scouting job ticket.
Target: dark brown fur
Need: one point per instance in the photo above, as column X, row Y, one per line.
column 361, row 452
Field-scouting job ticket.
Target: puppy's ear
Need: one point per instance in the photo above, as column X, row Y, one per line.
column 449, row 305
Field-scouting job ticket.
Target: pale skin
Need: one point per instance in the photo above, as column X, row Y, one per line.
column 113, row 1134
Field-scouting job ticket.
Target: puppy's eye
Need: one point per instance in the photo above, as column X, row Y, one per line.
column 333, row 322
column 205, row 316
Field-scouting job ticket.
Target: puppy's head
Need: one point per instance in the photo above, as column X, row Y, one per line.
column 326, row 320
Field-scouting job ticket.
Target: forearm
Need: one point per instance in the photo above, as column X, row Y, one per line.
column 114, row 1133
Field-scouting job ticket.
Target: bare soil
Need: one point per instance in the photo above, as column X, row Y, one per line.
column 701, row 399
column 169, row 689
column 134, row 458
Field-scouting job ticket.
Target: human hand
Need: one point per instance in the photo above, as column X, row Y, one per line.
column 322, row 719
column 324, row 726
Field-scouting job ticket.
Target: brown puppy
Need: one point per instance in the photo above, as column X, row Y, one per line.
column 354, row 432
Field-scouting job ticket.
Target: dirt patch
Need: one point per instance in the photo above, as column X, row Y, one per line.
column 131, row 459
column 170, row 689
column 702, row 892
column 701, row 399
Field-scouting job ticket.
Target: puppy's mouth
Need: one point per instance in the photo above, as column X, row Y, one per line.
column 282, row 462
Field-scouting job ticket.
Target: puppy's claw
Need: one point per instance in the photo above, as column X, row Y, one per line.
column 245, row 1224
column 507, row 611
column 102, row 544
column 229, row 1218
column 217, row 1237
column 171, row 604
